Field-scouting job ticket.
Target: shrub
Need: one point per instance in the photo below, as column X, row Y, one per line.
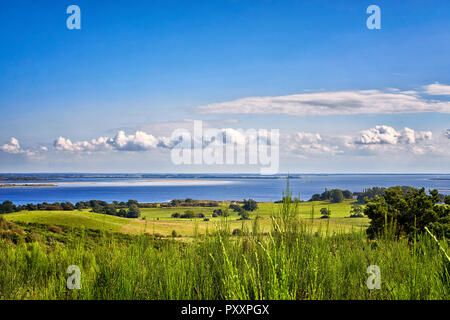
column 188, row 214
column 250, row 205
column 407, row 211
column 236, row 208
column 176, row 215
column 133, row 211
column 326, row 213
column 337, row 196
column 356, row 211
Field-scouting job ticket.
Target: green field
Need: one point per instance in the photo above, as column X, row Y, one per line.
column 159, row 220
column 283, row 254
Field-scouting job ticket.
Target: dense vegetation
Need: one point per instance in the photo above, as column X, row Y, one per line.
column 335, row 195
column 128, row 209
column 407, row 212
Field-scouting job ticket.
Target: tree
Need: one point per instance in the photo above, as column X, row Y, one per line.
column 236, row 208
column 356, row 211
column 370, row 193
column 336, row 196
column 405, row 212
column 447, row 200
column 250, row 205
column 326, row 213
column 122, row 213
column 188, row 214
column 132, row 202
column 109, row 209
column 7, row 207
column 134, row 211
column 67, row 206
column 347, row 194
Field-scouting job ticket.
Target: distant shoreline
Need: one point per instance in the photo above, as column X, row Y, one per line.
column 13, row 185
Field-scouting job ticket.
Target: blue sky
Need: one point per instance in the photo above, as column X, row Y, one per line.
column 150, row 65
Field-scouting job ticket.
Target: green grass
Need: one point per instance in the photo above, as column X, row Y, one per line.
column 159, row 220
column 294, row 265
column 285, row 254
column 76, row 219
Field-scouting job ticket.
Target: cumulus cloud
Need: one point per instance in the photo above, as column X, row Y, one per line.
column 63, row 144
column 368, row 142
column 437, row 89
column 140, row 141
column 388, row 135
column 13, row 146
column 392, row 101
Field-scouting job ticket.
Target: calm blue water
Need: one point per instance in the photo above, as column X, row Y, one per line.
column 161, row 188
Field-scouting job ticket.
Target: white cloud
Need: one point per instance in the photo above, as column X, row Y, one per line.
column 447, row 133
column 437, row 89
column 63, row 144
column 388, row 135
column 392, row 101
column 140, row 141
column 12, row 147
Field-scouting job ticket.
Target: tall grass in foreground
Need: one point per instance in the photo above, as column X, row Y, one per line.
column 291, row 262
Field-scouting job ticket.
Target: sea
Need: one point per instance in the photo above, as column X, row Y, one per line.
column 75, row 187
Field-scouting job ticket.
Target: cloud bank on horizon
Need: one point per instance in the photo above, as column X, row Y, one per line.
column 390, row 101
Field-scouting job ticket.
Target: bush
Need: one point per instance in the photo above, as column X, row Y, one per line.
column 174, row 234
column 236, row 208
column 408, row 211
column 188, row 214
column 326, row 213
column 133, row 211
column 356, row 211
column 337, row 196
column 122, row 213
column 250, row 205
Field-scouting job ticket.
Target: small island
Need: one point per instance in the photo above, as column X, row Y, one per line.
column 34, row 185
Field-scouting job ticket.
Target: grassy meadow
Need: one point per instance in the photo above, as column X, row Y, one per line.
column 159, row 221
column 288, row 252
